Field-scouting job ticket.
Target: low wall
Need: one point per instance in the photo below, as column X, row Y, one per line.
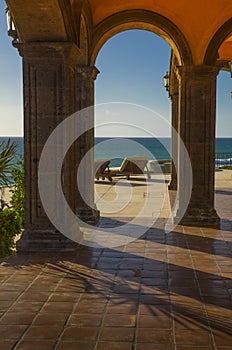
column 159, row 166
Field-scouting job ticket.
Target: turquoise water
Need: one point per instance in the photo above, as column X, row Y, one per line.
column 151, row 147
column 117, row 148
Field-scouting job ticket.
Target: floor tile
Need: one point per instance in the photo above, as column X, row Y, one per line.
column 83, row 320
column 57, row 307
column 145, row 335
column 117, row 334
column 149, row 346
column 110, row 320
column 22, row 306
column 136, row 296
column 154, row 322
column 11, row 331
column 124, row 308
column 36, row 344
column 20, row 318
column 97, row 308
column 223, row 338
column 7, row 344
column 47, row 318
column 114, row 345
column 36, row 296
column 80, row 333
column 192, row 337
column 43, row 332
column 73, row 345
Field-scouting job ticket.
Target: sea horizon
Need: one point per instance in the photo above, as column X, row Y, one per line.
column 154, row 148
column 217, row 137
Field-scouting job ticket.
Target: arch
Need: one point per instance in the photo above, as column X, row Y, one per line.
column 84, row 23
column 83, row 41
column 49, row 25
column 223, row 32
column 69, row 20
column 146, row 20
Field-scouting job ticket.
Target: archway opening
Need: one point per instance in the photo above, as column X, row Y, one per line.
column 219, row 54
column 223, row 145
column 131, row 104
column 11, row 105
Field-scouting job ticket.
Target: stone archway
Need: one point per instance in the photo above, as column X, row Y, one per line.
column 141, row 19
column 161, row 26
column 211, row 55
column 219, row 50
column 54, row 62
column 194, row 108
column 58, row 81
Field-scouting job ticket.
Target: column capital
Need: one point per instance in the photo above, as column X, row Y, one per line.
column 174, row 96
column 174, row 83
column 87, row 72
column 196, row 72
column 65, row 52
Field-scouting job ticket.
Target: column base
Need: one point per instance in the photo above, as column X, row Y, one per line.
column 200, row 217
column 88, row 215
column 173, row 185
column 45, row 241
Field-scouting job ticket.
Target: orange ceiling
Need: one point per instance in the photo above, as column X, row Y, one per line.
column 197, row 19
column 225, row 51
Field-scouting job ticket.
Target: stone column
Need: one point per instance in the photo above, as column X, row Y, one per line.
column 49, row 97
column 197, row 98
column 174, row 97
column 85, row 77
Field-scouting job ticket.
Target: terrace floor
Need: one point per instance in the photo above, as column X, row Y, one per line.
column 162, row 291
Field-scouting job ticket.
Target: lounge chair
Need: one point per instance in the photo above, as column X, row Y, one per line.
column 131, row 166
column 101, row 169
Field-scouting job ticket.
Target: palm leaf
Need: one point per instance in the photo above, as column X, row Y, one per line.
column 7, row 161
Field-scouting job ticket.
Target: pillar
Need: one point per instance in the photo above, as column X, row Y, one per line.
column 49, row 97
column 174, row 97
column 85, row 77
column 197, row 110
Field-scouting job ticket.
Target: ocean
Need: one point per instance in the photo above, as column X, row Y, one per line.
column 118, row 148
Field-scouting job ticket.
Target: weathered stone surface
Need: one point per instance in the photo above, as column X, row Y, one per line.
column 174, row 97
column 197, row 130
column 200, row 217
column 54, row 88
column 45, row 241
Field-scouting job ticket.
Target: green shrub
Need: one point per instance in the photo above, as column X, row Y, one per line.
column 17, row 199
column 227, row 167
column 10, row 227
column 12, row 215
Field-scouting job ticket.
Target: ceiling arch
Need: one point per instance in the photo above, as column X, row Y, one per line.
column 41, row 20
column 146, row 20
column 222, row 37
column 188, row 26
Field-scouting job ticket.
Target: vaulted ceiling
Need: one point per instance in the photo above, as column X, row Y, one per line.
column 197, row 20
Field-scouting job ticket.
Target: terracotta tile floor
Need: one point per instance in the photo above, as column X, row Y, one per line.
column 165, row 291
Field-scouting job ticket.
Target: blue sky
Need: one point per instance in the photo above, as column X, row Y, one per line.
column 131, row 66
